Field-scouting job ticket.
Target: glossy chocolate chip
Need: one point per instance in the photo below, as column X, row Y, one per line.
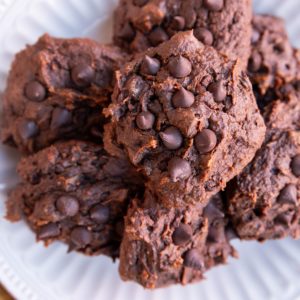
column 100, row 214
column 179, row 67
column 212, row 212
column 83, row 75
column 145, row 120
column 182, row 234
column 60, row 118
column 80, row 237
column 140, row 2
column 254, row 62
column 127, row 32
column 288, row 195
column 295, row 165
column 157, row 36
column 67, row 205
column 178, row 23
column 214, row 5
column 171, row 138
column 179, row 169
column 35, row 91
column 150, row 66
column 205, row 141
column 204, row 36
column 27, row 129
column 183, row 99
column 193, row 259
column 218, row 90
column 48, row 231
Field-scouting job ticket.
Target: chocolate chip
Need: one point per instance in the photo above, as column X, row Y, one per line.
column 80, row 237
column 83, row 75
column 295, row 165
column 212, row 212
column 284, row 218
column 179, row 67
column 100, row 214
column 27, row 129
column 171, row 138
column 149, row 66
column 60, row 117
column 178, row 23
column 179, row 169
column 35, row 91
column 288, row 195
column 218, row 90
column 48, row 231
column 127, row 32
column 205, row 141
column 157, row 36
column 214, row 5
column 193, row 259
column 254, row 62
column 204, row 36
column 182, row 234
column 230, row 233
column 140, row 2
column 215, row 234
column 145, row 120
column 183, row 98
column 67, row 205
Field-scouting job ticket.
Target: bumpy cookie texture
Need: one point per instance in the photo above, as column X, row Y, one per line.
column 273, row 60
column 185, row 116
column 223, row 24
column 173, row 246
column 56, row 90
column 76, row 193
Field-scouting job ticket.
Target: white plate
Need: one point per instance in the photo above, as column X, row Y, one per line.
column 269, row 271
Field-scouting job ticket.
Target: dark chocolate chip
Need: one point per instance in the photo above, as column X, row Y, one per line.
column 145, row 120
column 183, row 98
column 285, row 218
column 288, row 195
column 27, row 129
column 218, row 90
column 171, row 138
column 140, row 2
column 83, row 75
column 150, row 66
column 214, row 5
column 215, row 234
column 80, row 237
column 193, row 259
column 179, row 169
column 100, row 214
column 67, row 205
column 157, row 36
column 295, row 165
column 127, row 32
column 35, row 91
column 212, row 212
column 178, row 23
column 205, row 141
column 254, row 62
column 179, row 67
column 182, row 234
column 48, row 231
column 204, row 36
column 60, row 117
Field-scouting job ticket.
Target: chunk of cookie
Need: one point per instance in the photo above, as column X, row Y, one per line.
column 223, row 24
column 186, row 117
column 173, row 246
column 56, row 90
column 74, row 192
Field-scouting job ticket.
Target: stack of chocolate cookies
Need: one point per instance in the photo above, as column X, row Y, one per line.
column 162, row 148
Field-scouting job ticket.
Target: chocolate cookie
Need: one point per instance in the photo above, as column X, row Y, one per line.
column 56, row 90
column 171, row 246
column 76, row 193
column 223, row 24
column 186, row 117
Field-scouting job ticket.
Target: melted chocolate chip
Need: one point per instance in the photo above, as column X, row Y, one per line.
column 194, row 260
column 218, row 90
column 254, row 62
column 179, row 67
column 100, row 214
column 288, row 195
column 150, row 66
column 171, row 138
column 157, row 36
column 35, row 91
column 183, row 98
column 295, row 165
column 204, row 36
column 214, row 5
column 179, row 169
column 140, row 2
column 182, row 234
column 60, row 117
column 178, row 23
column 145, row 120
column 80, row 237
column 83, row 75
column 48, row 231
column 27, row 129
column 67, row 205
column 205, row 141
